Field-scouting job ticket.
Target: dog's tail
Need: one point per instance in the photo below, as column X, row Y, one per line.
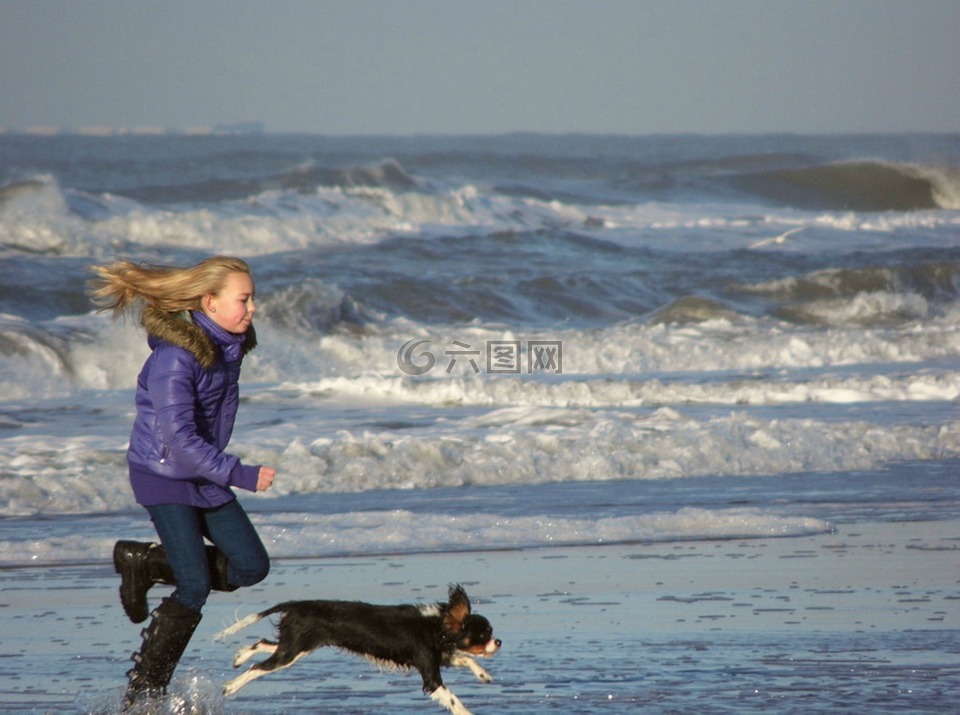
column 240, row 625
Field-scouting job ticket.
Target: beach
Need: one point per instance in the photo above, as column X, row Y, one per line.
column 862, row 619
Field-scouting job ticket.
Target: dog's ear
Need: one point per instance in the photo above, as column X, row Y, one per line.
column 458, row 609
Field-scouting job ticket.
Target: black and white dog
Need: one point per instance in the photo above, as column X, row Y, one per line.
column 424, row 637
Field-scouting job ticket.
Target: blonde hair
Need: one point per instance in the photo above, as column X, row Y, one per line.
column 129, row 287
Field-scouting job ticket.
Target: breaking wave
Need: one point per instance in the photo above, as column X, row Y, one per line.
column 858, row 186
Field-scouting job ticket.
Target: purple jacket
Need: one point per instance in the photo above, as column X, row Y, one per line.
column 187, row 399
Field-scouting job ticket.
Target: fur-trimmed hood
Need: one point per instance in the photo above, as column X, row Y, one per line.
column 180, row 330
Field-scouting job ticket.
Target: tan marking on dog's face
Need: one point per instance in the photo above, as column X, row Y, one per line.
column 483, row 650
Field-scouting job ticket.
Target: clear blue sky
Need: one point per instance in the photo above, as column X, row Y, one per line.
column 484, row 66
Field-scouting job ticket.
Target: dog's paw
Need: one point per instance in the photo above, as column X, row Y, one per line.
column 242, row 656
column 247, row 652
column 483, row 676
column 231, row 687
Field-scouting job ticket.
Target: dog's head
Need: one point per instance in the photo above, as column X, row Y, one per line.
column 469, row 633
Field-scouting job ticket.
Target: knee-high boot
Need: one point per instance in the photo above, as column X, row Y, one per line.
column 142, row 565
column 164, row 642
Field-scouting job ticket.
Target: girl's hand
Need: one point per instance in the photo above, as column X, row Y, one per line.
column 265, row 478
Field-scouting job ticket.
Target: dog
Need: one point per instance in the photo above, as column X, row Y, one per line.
column 424, row 637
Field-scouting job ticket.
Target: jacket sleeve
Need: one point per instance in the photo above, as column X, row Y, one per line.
column 172, row 388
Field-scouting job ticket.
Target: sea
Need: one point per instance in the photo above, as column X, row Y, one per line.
column 521, row 341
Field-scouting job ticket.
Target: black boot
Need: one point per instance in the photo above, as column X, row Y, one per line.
column 164, row 641
column 140, row 566
column 218, row 564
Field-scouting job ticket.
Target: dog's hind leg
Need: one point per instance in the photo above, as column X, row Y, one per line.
column 445, row 697
column 258, row 670
column 247, row 652
column 465, row 661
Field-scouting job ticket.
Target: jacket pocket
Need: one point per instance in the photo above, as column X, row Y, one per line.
column 162, row 451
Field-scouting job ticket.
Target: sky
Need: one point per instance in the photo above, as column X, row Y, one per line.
column 404, row 67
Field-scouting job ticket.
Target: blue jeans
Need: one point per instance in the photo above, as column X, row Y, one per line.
column 182, row 529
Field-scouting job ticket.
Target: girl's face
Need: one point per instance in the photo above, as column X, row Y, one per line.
column 232, row 308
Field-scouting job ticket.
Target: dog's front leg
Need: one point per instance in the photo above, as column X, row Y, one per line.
column 438, row 692
column 445, row 697
column 461, row 660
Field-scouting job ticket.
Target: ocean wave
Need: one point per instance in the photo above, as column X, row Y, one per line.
column 863, row 308
column 38, row 217
column 320, row 446
column 312, row 308
column 357, row 306
column 565, row 403
column 26, row 187
column 35, row 218
column 868, row 186
column 872, row 295
column 315, row 330
column 400, row 530
column 532, row 447
column 303, row 179
column 935, row 280
column 61, row 357
column 693, row 309
column 876, row 308
column 34, row 361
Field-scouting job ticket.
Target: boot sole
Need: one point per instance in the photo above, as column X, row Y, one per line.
column 118, row 568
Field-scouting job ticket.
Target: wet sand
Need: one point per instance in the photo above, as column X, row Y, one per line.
column 866, row 615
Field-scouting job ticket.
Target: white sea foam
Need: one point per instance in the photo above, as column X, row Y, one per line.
column 70, row 354
column 398, row 530
column 357, row 444
column 292, row 534
column 633, row 402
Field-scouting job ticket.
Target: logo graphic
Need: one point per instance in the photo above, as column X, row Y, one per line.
column 405, row 358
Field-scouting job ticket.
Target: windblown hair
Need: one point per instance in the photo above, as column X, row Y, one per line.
column 126, row 287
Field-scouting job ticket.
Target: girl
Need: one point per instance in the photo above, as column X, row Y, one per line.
column 198, row 324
